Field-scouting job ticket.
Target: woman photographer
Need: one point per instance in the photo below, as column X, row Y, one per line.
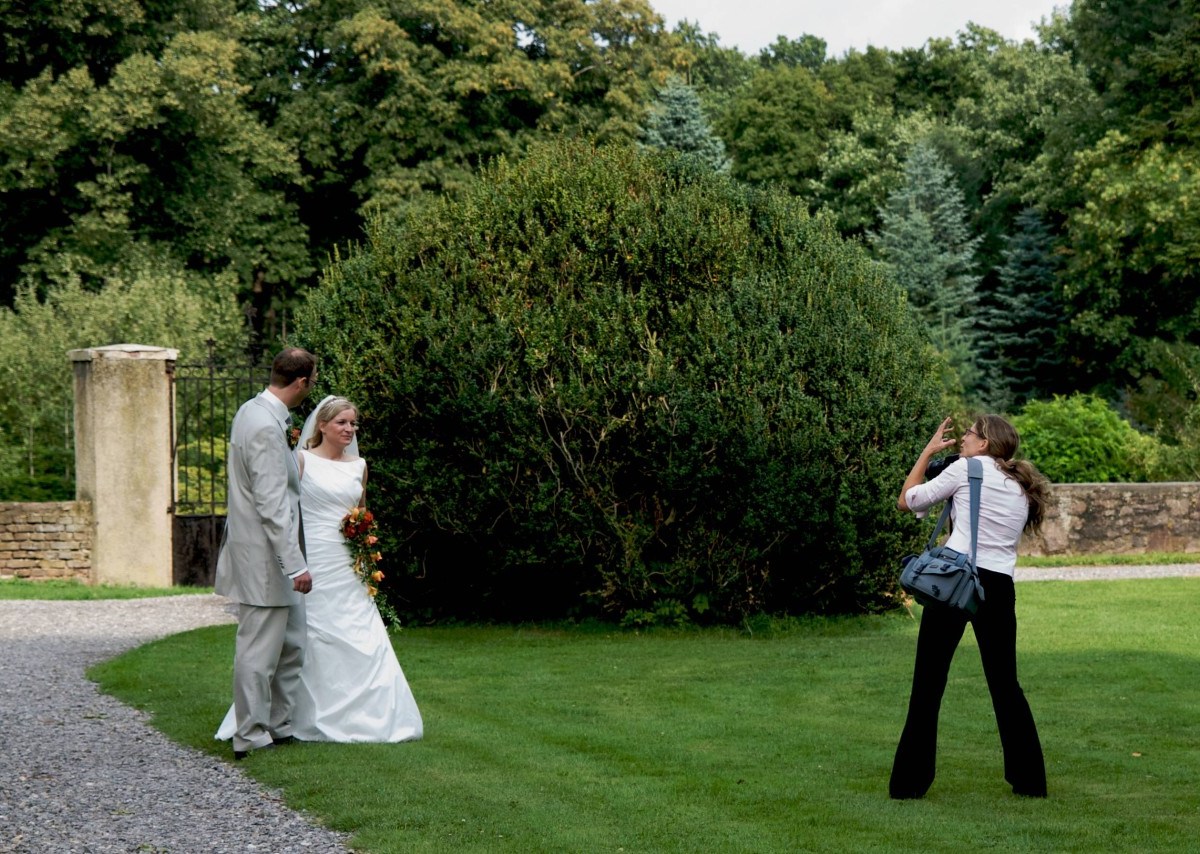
column 1012, row 499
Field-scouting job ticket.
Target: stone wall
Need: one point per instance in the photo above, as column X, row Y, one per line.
column 46, row 540
column 1119, row 518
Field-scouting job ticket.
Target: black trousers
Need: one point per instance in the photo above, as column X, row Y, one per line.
column 995, row 625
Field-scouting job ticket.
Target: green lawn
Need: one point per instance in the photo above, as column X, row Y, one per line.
column 602, row 740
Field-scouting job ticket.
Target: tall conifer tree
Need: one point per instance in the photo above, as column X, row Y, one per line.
column 678, row 122
column 1022, row 326
column 926, row 240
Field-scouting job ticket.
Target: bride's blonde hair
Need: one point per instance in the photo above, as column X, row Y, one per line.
column 329, row 410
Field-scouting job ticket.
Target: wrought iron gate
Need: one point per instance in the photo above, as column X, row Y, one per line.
column 206, row 398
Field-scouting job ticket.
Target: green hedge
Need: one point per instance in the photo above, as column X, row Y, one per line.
column 606, row 382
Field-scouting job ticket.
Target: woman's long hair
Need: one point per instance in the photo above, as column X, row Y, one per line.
column 1003, row 442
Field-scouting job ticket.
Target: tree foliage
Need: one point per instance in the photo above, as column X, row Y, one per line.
column 1133, row 275
column 677, row 122
column 1143, row 56
column 388, row 103
column 862, row 166
column 1020, row 95
column 150, row 301
column 807, row 51
column 775, row 127
column 161, row 150
column 251, row 137
column 926, row 242
column 715, row 71
column 1020, row 347
column 610, row 382
column 1178, row 455
column 1127, row 192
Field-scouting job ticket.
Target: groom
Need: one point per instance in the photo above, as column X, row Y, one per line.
column 261, row 566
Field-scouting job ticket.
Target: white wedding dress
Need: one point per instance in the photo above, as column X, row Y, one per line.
column 351, row 686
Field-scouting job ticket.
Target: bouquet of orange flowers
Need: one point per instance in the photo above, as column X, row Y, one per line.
column 358, row 527
column 361, row 533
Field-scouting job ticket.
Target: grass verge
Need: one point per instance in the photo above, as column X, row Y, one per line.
column 24, row 588
column 598, row 740
column 1145, row 559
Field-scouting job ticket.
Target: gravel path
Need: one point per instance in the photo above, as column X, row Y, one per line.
column 81, row 772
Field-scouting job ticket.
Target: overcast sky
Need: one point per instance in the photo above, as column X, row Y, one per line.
column 753, row 24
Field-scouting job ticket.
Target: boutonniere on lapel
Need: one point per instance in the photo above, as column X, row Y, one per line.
column 293, row 437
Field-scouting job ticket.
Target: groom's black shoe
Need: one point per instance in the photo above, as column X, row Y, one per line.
column 286, row 740
column 239, row 755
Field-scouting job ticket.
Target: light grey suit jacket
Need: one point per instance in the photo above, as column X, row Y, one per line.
column 261, row 546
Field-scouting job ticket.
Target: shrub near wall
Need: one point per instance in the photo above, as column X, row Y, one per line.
column 602, row 383
column 1081, row 439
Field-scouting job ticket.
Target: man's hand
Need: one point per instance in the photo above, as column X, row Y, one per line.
column 302, row 583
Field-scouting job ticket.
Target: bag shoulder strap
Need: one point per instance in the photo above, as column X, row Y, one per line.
column 975, row 479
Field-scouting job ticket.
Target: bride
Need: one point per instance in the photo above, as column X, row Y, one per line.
column 351, row 685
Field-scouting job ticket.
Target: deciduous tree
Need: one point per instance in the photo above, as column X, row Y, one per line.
column 862, row 166
column 1134, row 270
column 164, row 151
column 777, row 125
column 393, row 104
column 147, row 298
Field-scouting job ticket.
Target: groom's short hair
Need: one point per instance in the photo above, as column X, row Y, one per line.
column 290, row 365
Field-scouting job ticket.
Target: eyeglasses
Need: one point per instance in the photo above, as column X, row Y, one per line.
column 970, row 432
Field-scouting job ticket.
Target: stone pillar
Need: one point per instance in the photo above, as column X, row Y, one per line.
column 124, row 428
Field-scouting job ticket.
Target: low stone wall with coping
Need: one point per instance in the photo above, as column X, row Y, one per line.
column 46, row 540
column 1119, row 518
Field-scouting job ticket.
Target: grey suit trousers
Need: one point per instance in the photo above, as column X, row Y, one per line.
column 266, row 672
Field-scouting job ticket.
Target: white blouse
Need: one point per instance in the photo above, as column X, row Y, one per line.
column 1003, row 509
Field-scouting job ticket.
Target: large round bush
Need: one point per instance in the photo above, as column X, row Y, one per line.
column 603, row 382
